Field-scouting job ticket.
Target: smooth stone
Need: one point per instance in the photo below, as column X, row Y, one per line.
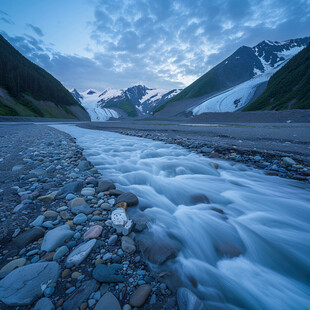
column 108, row 301
column 84, row 165
column 141, row 294
column 62, row 251
column 88, row 191
column 17, row 167
column 187, row 300
column 75, row 275
column 79, row 205
column 56, row 237
column 38, row 221
column 80, row 253
column 35, row 279
column 128, row 245
column 126, row 307
column 50, row 213
column 107, row 257
column 70, row 188
column 288, row 161
column 104, row 186
column 107, row 274
column 112, row 240
column 65, row 215
column 29, row 236
column 80, row 295
column 206, row 149
column 93, row 232
column 44, row 304
column 13, row 264
column 130, row 198
column 105, row 206
column 70, row 196
column 80, row 218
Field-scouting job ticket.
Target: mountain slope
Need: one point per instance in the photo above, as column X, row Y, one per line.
column 237, row 80
column 29, row 90
column 288, row 88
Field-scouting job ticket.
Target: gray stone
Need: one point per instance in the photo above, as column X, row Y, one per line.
column 84, row 165
column 88, row 191
column 70, row 188
column 130, row 198
column 128, row 245
column 139, row 297
column 80, row 253
column 107, row 274
column 112, row 239
column 62, row 251
column 80, row 295
column 79, row 205
column 38, row 221
column 108, row 301
column 25, row 284
column 104, row 186
column 44, row 304
column 289, row 161
column 56, row 237
column 13, row 264
column 80, row 218
column 105, row 206
column 29, row 236
column 206, row 149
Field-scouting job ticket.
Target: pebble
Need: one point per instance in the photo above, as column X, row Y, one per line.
column 139, row 297
column 80, row 218
column 93, row 232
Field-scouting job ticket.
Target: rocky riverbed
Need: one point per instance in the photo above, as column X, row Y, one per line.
column 67, row 241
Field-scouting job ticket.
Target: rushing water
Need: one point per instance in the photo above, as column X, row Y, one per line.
column 266, row 219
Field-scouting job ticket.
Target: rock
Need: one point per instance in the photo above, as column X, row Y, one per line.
column 44, row 304
column 56, row 237
column 25, row 284
column 121, row 222
column 128, row 245
column 62, row 251
column 130, row 198
column 107, row 274
column 50, row 213
column 112, row 240
column 65, row 215
column 49, row 197
column 38, row 221
column 140, row 221
column 115, row 192
column 79, row 205
column 75, row 275
column 80, row 295
column 93, row 232
column 107, row 257
column 80, row 218
column 70, row 188
column 104, row 186
column 29, row 236
column 80, row 253
column 17, row 168
column 127, row 307
column 141, row 294
column 108, row 301
column 206, row 149
column 84, row 165
column 187, row 300
column 88, row 191
column 158, row 253
column 12, row 265
column 288, row 161
column 105, row 206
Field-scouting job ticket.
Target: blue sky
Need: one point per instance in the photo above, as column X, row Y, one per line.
column 159, row 43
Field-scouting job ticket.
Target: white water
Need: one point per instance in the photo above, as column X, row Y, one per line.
column 268, row 217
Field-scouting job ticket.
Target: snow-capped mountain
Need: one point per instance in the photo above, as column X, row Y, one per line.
column 89, row 99
column 239, row 79
column 134, row 101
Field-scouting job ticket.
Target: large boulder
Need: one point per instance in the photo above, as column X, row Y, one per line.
column 56, row 237
column 24, row 285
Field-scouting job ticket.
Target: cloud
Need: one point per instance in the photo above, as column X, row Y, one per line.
column 166, row 43
column 36, row 30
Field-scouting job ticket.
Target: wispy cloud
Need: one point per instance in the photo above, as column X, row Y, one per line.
column 36, row 30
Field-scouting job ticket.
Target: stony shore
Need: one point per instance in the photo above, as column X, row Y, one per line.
column 66, row 239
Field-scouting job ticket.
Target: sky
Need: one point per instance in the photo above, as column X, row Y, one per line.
column 163, row 44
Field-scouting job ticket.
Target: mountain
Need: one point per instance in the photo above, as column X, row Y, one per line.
column 288, row 88
column 236, row 81
column 134, row 101
column 28, row 90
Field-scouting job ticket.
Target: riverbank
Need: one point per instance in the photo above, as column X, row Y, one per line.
column 286, row 154
column 58, row 229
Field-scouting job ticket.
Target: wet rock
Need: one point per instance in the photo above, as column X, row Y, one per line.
column 104, row 186
column 80, row 253
column 56, row 237
column 105, row 206
column 12, row 265
column 62, row 251
column 93, row 232
column 206, row 149
column 199, row 198
column 50, row 213
column 121, row 222
column 79, row 205
column 140, row 221
column 84, row 165
column 108, row 301
column 111, row 273
column 44, row 304
column 288, row 161
column 128, row 245
column 130, row 198
column 88, row 191
column 112, row 240
column 70, row 188
column 187, row 300
column 80, row 295
column 29, row 236
column 115, row 192
column 141, row 294
column 24, row 285
column 80, row 218
column 38, row 221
